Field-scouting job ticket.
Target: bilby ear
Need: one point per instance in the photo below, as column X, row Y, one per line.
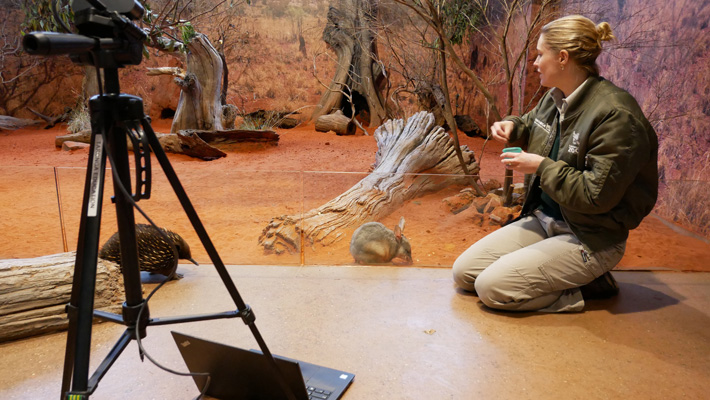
column 399, row 229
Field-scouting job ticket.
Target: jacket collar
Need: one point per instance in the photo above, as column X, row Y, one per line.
column 582, row 95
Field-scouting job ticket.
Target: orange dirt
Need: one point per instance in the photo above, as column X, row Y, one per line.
column 237, row 196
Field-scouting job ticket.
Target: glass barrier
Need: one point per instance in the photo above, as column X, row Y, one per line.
column 676, row 236
column 308, row 218
column 234, row 207
column 31, row 220
column 336, row 204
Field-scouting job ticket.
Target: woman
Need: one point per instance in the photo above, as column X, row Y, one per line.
column 591, row 176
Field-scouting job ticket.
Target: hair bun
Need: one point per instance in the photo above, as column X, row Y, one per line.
column 604, row 32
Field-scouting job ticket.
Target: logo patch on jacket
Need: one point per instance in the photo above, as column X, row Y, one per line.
column 543, row 125
column 574, row 147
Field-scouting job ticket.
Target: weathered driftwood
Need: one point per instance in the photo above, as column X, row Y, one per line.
column 81, row 136
column 189, row 143
column 34, row 293
column 412, row 160
column 237, row 136
column 183, row 142
column 200, row 106
column 193, row 143
column 52, row 121
column 174, row 71
column 336, row 122
column 11, row 123
column 350, row 33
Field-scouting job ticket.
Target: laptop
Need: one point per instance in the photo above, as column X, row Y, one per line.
column 237, row 374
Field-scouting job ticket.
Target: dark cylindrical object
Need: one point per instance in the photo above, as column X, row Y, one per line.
column 50, row 43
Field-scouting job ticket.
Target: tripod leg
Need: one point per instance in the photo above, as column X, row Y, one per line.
column 80, row 308
column 106, row 131
column 125, row 217
column 247, row 315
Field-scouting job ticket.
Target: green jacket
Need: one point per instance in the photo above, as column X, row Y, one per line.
column 606, row 176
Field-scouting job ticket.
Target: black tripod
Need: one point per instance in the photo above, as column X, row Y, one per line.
column 114, row 117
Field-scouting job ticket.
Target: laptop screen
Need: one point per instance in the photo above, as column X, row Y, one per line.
column 236, row 373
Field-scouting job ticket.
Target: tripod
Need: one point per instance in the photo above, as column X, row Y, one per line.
column 114, row 117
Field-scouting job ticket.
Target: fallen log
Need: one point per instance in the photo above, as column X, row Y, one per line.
column 193, row 143
column 237, row 136
column 11, row 123
column 35, row 291
column 188, row 143
column 412, row 160
column 336, row 122
column 52, row 121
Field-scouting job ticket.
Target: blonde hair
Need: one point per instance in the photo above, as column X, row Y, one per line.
column 580, row 37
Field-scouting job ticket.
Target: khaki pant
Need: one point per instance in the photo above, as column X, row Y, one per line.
column 535, row 263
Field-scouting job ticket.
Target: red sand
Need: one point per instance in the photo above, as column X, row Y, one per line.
column 237, row 196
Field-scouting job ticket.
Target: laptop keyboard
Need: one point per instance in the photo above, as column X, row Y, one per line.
column 317, row 394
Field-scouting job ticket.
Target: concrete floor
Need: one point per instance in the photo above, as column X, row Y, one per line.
column 408, row 334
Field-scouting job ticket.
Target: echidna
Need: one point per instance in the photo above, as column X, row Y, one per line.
column 155, row 255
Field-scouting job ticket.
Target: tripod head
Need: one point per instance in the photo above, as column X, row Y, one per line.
column 107, row 37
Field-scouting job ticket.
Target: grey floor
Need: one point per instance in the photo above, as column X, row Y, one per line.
column 408, row 334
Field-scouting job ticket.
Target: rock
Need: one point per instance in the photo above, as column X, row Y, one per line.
column 491, row 185
column 502, row 215
column 71, row 145
column 482, row 202
column 493, row 203
column 457, row 203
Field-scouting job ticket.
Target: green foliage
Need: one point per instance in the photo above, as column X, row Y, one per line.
column 39, row 16
column 460, row 17
column 187, row 31
column 148, row 16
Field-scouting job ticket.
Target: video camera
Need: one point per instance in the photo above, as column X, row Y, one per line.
column 107, row 37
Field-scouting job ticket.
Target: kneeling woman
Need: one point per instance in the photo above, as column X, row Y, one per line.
column 591, row 174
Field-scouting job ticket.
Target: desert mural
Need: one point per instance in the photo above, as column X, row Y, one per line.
column 300, row 113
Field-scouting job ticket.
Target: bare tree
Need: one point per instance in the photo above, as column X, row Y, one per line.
column 173, row 27
column 349, row 33
column 507, row 28
column 23, row 78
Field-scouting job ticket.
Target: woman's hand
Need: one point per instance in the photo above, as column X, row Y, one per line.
column 501, row 130
column 527, row 163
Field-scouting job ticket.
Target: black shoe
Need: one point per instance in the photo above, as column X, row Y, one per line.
column 603, row 287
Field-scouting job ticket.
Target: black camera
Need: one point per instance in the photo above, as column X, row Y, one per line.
column 107, row 36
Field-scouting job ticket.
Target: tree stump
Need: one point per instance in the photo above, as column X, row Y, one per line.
column 412, row 160
column 35, row 291
column 350, row 33
column 199, row 106
column 336, row 122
